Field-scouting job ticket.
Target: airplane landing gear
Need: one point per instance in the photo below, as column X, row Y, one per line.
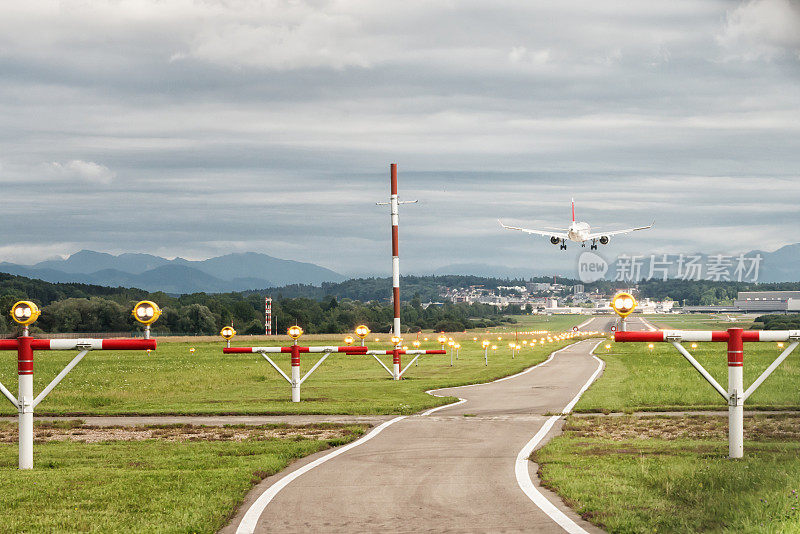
column 594, row 245
column 563, row 245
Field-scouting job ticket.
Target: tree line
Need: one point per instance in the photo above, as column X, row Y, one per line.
column 72, row 307
column 88, row 309
column 780, row 322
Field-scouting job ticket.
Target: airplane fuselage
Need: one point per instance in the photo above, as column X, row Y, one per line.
column 578, row 232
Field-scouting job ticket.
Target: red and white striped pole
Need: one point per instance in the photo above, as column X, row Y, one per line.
column 396, row 362
column 295, row 373
column 394, row 203
column 25, row 406
column 735, row 393
column 395, row 250
column 268, row 316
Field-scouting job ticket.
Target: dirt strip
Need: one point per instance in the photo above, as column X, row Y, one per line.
column 78, row 431
column 218, row 420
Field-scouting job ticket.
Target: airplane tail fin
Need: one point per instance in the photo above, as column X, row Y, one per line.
column 573, row 209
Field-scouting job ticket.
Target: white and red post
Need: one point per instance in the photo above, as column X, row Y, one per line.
column 25, row 402
column 394, row 204
column 395, row 250
column 268, row 316
column 735, row 338
column 396, row 363
column 735, row 393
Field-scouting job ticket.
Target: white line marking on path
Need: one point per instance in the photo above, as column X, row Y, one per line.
column 250, row 519
column 647, row 324
column 521, row 465
column 586, row 322
column 461, row 401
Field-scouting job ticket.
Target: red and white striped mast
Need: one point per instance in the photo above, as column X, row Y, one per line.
column 394, row 203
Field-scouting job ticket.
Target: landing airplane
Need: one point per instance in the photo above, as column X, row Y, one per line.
column 580, row 232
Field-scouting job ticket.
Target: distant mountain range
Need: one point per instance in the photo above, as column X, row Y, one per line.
column 250, row 270
column 232, row 272
column 782, row 265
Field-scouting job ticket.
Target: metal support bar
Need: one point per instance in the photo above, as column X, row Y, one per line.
column 314, row 368
column 382, row 365
column 276, row 368
column 9, row 396
column 409, row 364
column 75, row 361
column 701, row 370
column 769, row 370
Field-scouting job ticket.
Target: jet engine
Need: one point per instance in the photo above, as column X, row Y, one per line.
column 554, row 240
column 604, row 240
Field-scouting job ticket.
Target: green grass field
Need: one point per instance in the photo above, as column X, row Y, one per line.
column 634, row 475
column 700, row 321
column 638, row 378
column 174, row 381
column 553, row 323
column 141, row 486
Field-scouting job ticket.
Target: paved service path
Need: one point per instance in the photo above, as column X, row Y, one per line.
column 461, row 468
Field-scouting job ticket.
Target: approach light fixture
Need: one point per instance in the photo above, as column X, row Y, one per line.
column 294, row 332
column 623, row 304
column 146, row 312
column 362, row 331
column 25, row 312
column 227, row 333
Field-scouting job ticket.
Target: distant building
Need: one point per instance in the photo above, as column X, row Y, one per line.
column 578, row 289
column 768, row 301
column 535, row 286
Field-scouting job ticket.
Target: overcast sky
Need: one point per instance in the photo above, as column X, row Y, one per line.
column 198, row 128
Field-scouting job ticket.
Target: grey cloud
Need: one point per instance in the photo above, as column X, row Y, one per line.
column 268, row 126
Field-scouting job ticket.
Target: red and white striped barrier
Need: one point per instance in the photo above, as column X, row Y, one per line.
column 250, row 350
column 707, row 335
column 26, row 403
column 735, row 338
column 295, row 350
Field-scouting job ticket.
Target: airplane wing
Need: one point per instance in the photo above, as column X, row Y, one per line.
column 545, row 233
column 596, row 235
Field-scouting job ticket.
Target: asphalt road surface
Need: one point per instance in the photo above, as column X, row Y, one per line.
column 462, row 468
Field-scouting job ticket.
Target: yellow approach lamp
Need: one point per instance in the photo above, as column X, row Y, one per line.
column 227, row 334
column 146, row 312
column 25, row 313
column 623, row 304
column 294, row 332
